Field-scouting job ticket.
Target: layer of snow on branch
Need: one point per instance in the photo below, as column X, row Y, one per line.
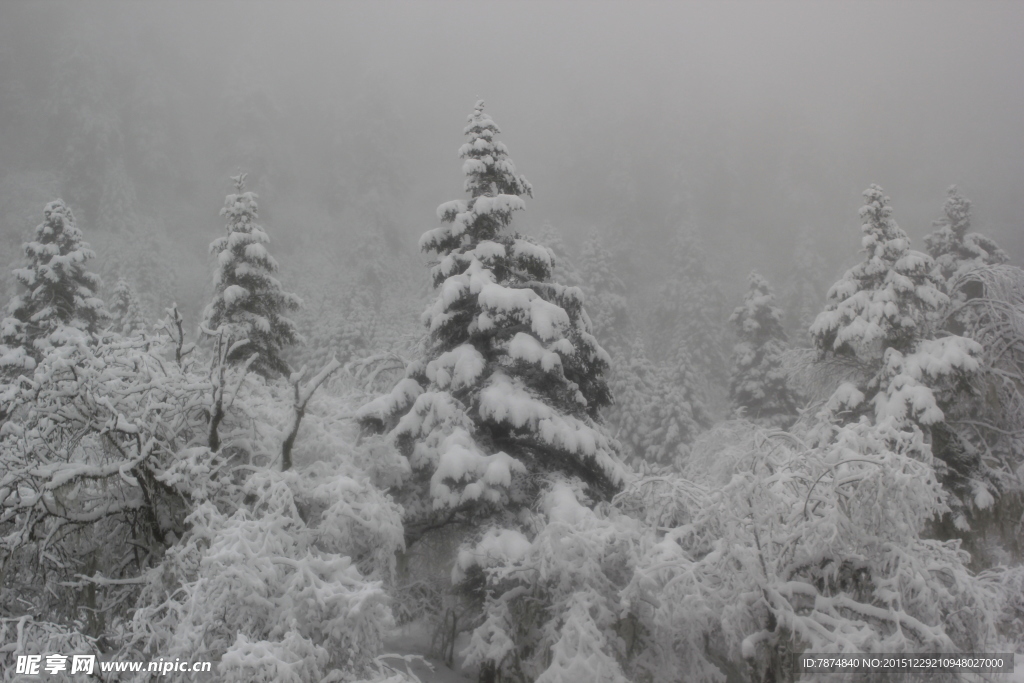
column 456, row 369
column 507, row 400
column 526, row 347
column 498, row 546
column 461, row 460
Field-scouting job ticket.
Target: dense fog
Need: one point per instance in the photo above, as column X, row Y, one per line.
column 303, row 378
column 755, row 121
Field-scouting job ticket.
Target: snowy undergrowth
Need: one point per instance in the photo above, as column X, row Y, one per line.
column 126, row 535
column 760, row 548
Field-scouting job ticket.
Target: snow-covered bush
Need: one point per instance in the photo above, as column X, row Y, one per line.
column 551, row 611
column 287, row 586
column 777, row 548
column 133, row 514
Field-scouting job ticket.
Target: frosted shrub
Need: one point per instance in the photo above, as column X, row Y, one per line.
column 88, row 438
column 805, row 550
column 289, row 586
column 552, row 611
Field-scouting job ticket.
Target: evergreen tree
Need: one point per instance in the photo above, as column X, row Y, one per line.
column 249, row 300
column 689, row 310
column 758, row 384
column 659, row 409
column 512, row 379
column 883, row 313
column 887, row 301
column 126, row 310
column 688, row 319
column 59, row 291
column 606, row 294
column 680, row 408
column 954, row 249
column 635, row 384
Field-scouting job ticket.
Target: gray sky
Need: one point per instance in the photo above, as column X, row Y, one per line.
column 754, row 119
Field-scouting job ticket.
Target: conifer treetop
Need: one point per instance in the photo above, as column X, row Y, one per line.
column 758, row 385
column 249, row 300
column 512, row 378
column 59, row 289
column 758, row 319
column 125, row 309
column 887, row 300
column 953, row 247
column 494, row 186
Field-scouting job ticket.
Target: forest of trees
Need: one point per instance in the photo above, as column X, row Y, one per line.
column 554, row 477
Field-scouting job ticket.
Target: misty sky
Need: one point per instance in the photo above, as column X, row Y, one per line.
column 753, row 120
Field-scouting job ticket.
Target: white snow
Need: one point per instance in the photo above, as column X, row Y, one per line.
column 234, row 293
column 461, row 461
column 456, row 369
column 498, row 546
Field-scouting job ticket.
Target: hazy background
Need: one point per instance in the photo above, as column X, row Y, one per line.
column 759, row 123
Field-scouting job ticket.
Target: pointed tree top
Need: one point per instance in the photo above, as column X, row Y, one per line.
column 958, row 212
column 239, row 181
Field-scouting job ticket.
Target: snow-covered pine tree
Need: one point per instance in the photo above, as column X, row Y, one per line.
column 658, row 410
column 249, row 300
column 884, row 313
column 680, row 409
column 59, row 290
column 887, row 301
column 512, row 378
column 758, row 386
column 954, row 249
column 635, row 383
column 606, row 294
column 126, row 310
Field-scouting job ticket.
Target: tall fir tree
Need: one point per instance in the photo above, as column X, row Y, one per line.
column 758, row 385
column 512, row 378
column 884, row 313
column 889, row 300
column 58, row 290
column 953, row 247
column 249, row 301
